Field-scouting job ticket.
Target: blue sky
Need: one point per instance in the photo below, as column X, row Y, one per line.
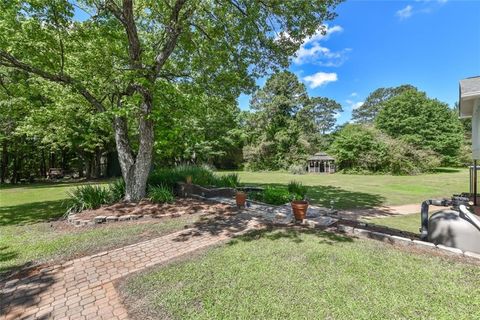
column 429, row 44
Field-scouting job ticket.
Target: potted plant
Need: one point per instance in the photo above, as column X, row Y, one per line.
column 298, row 193
column 241, row 198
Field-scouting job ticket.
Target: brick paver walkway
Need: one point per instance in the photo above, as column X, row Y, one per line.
column 83, row 288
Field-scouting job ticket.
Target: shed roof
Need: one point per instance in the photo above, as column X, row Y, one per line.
column 469, row 92
column 321, row 156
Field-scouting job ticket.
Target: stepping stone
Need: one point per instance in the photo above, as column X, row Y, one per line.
column 111, row 219
column 124, row 218
column 134, row 217
column 85, row 222
column 100, row 219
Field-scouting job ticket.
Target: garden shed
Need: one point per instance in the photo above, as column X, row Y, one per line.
column 321, row 162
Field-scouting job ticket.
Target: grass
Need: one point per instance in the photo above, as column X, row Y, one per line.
column 307, row 275
column 408, row 222
column 366, row 191
column 24, row 244
column 24, row 204
column 26, row 237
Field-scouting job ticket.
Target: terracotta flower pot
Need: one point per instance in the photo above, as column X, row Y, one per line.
column 299, row 208
column 241, row 198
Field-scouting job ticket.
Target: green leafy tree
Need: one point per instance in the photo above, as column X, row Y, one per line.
column 363, row 148
column 423, row 122
column 323, row 113
column 276, row 139
column 126, row 53
column 375, row 102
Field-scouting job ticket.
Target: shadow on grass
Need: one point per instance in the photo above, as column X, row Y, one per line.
column 7, row 255
column 294, row 235
column 31, row 212
column 446, row 170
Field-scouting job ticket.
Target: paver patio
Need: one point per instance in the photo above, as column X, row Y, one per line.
column 84, row 289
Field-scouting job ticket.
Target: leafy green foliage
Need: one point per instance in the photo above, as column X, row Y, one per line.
column 286, row 125
column 297, row 190
column 297, row 169
column 275, row 195
column 154, row 56
column 230, row 180
column 422, row 122
column 200, row 175
column 160, row 194
column 117, row 190
column 361, row 148
column 375, row 102
column 87, row 197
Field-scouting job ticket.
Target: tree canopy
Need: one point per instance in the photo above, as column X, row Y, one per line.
column 375, row 102
column 423, row 122
column 287, row 125
column 128, row 57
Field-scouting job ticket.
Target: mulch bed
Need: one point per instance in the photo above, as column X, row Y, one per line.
column 158, row 210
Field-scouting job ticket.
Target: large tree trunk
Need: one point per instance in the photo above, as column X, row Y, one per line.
column 135, row 169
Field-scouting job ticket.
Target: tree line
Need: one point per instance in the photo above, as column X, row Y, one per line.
column 141, row 84
column 133, row 61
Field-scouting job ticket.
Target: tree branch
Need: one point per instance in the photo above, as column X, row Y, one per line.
column 173, row 29
column 10, row 61
column 127, row 19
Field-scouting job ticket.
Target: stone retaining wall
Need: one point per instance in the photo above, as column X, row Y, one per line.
column 188, row 189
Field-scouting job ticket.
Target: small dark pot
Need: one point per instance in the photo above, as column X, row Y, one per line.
column 299, row 208
column 241, row 198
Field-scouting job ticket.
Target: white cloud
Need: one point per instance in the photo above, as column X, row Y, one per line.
column 426, row 6
column 405, row 13
column 320, row 78
column 357, row 105
column 312, row 51
column 354, row 105
column 353, row 94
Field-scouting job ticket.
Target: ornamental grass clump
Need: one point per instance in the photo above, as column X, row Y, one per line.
column 87, row 197
column 160, row 194
column 200, row 175
column 117, row 190
column 297, row 190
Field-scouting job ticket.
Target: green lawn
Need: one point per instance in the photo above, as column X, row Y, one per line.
column 365, row 191
column 22, row 204
column 308, row 275
column 408, row 222
column 25, row 237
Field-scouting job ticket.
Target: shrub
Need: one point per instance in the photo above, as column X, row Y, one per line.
column 87, row 197
column 362, row 149
column 230, row 180
column 276, row 196
column 296, row 169
column 203, row 176
column 297, row 190
column 165, row 177
column 117, row 190
column 160, row 194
